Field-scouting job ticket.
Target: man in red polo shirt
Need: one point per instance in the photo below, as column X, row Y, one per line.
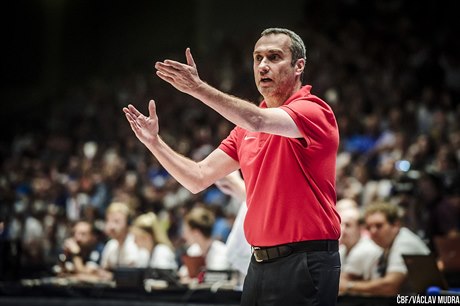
column 286, row 150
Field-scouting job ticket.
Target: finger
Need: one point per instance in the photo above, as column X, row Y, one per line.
column 134, row 110
column 172, row 65
column 222, row 183
column 190, row 60
column 219, row 183
column 152, row 109
column 168, row 70
column 165, row 77
column 235, row 175
column 131, row 122
column 126, row 110
column 134, row 126
column 131, row 119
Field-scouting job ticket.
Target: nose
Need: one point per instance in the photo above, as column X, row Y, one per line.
column 372, row 231
column 263, row 66
column 109, row 227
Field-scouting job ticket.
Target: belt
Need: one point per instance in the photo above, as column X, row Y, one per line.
column 263, row 254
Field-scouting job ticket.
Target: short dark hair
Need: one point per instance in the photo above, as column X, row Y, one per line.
column 297, row 48
column 390, row 211
column 92, row 227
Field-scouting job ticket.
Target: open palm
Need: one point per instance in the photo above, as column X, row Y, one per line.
column 145, row 128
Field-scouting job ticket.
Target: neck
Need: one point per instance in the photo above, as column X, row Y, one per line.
column 121, row 239
column 278, row 99
column 387, row 249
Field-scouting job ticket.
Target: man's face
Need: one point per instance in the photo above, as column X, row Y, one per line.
column 116, row 224
column 273, row 73
column 380, row 230
column 351, row 232
column 82, row 234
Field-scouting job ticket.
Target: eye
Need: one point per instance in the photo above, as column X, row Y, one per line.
column 258, row 58
column 377, row 226
column 273, row 57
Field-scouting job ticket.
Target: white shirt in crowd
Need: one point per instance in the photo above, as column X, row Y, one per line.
column 162, row 257
column 362, row 259
column 216, row 258
column 406, row 242
column 114, row 255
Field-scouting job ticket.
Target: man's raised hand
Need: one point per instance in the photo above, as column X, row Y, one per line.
column 184, row 77
column 145, row 128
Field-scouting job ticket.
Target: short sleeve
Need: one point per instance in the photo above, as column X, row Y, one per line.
column 230, row 144
column 315, row 121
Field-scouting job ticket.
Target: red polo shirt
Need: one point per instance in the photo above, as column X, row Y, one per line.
column 290, row 182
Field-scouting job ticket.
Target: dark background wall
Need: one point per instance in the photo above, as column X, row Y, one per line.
column 49, row 45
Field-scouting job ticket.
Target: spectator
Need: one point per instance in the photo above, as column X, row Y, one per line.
column 82, row 251
column 383, row 223
column 155, row 248
column 358, row 253
column 197, row 229
column 120, row 250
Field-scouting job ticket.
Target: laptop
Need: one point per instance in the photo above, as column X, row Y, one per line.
column 423, row 272
column 449, row 252
column 170, row 276
column 129, row 277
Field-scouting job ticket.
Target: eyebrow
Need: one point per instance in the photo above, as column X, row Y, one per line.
column 379, row 224
column 268, row 51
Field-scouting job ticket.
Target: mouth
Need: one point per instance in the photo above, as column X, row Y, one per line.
column 265, row 80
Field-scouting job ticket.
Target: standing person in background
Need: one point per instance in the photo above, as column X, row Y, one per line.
column 238, row 248
column 286, row 149
column 155, row 248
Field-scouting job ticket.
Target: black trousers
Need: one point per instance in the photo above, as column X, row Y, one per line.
column 306, row 278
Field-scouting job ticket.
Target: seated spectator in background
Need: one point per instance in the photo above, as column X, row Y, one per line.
column 82, row 251
column 345, row 203
column 155, row 248
column 197, row 229
column 120, row 250
column 383, row 223
column 358, row 253
column 238, row 249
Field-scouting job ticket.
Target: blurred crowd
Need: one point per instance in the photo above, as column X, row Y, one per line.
column 392, row 79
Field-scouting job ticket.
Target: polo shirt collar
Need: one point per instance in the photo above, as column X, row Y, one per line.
column 302, row 92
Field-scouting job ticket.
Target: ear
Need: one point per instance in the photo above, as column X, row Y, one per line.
column 300, row 66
